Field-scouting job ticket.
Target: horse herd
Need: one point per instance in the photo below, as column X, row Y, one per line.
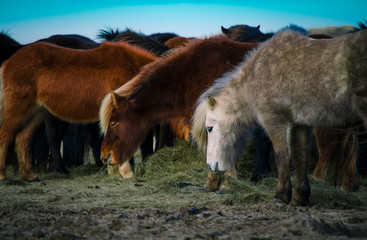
column 218, row 90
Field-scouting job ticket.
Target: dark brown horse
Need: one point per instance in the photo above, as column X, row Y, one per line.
column 164, row 90
column 67, row 83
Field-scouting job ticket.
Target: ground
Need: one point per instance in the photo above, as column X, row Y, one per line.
column 166, row 201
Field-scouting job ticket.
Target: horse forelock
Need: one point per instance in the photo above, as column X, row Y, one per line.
column 105, row 113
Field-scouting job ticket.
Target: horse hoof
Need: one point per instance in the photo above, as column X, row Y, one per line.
column 207, row 189
column 301, row 200
column 35, row 180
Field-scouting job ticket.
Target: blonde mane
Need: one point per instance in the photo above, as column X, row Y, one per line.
column 126, row 91
column 198, row 125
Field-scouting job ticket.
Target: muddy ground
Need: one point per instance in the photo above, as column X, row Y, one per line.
column 166, row 201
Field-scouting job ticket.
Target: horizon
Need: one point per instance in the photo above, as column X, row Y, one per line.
column 185, row 18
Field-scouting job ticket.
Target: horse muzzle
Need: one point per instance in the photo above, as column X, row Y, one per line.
column 214, row 168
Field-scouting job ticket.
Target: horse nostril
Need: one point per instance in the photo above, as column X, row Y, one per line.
column 215, row 168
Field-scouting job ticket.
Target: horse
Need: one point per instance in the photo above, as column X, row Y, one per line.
column 337, row 151
column 54, row 129
column 68, row 83
column 8, row 46
column 331, row 154
column 287, row 85
column 262, row 143
column 334, row 31
column 155, row 43
column 164, row 90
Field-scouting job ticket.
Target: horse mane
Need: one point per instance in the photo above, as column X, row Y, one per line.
column 163, row 37
column 133, row 87
column 6, row 39
column 141, row 40
column 126, row 91
column 108, row 34
column 362, row 25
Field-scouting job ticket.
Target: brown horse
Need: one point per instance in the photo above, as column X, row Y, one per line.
column 68, row 83
column 166, row 89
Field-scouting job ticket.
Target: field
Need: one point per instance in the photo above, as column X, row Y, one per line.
column 166, row 201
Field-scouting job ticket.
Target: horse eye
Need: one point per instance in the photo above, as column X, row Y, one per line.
column 112, row 123
column 209, row 129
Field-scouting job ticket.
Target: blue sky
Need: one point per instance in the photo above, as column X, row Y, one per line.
column 28, row 21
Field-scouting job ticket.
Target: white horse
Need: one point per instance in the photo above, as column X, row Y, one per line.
column 289, row 84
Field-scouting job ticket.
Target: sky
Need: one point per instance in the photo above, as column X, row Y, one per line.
column 30, row 20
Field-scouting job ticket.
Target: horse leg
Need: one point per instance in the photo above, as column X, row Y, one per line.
column 277, row 131
column 327, row 142
column 95, row 142
column 212, row 183
column 362, row 159
column 349, row 182
column 6, row 138
column 14, row 116
column 300, row 139
column 262, row 151
column 125, row 170
column 22, row 142
column 55, row 130
column 147, row 145
column 230, row 174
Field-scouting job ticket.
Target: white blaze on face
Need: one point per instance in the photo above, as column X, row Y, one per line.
column 216, row 143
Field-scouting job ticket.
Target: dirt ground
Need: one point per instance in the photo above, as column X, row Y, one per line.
column 166, row 201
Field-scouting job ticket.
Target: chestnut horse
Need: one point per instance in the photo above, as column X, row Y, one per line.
column 54, row 129
column 68, row 83
column 165, row 90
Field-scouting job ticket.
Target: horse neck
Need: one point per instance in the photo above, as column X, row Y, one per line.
column 167, row 92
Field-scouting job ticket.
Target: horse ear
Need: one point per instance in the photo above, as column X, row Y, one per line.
column 224, row 30
column 258, row 27
column 116, row 99
column 212, row 102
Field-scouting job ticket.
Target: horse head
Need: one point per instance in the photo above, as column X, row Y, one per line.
column 213, row 130
column 123, row 128
column 242, row 33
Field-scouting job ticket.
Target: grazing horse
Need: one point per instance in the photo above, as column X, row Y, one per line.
column 340, row 154
column 155, row 43
column 166, row 89
column 289, row 84
column 68, row 83
column 262, row 143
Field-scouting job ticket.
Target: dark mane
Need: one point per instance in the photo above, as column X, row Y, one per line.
column 362, row 25
column 141, row 40
column 163, row 37
column 8, row 46
column 108, row 34
column 6, row 39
